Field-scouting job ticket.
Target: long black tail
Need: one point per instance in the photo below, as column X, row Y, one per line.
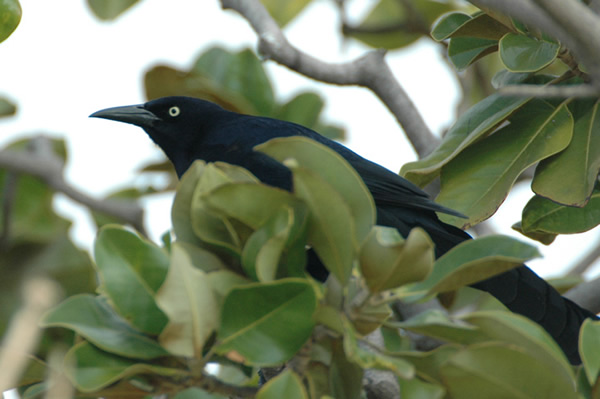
column 520, row 289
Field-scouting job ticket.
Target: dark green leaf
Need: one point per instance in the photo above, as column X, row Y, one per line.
column 541, row 215
column 131, row 271
column 448, row 24
column 588, row 347
column 457, row 24
column 95, row 369
column 92, row 318
column 478, row 121
column 345, row 376
column 463, row 51
column 419, row 389
column 286, row 385
column 10, row 16
column 110, row 9
column 569, row 176
column 477, row 181
column 521, row 53
column 267, row 323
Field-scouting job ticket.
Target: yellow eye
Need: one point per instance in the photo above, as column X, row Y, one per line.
column 174, row 111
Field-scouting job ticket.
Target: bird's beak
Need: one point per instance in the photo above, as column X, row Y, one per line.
column 134, row 114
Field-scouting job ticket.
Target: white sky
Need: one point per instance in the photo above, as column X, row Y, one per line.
column 62, row 64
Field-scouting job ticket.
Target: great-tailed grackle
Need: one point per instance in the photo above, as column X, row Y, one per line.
column 188, row 129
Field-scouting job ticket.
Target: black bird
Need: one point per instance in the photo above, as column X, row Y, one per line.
column 188, row 129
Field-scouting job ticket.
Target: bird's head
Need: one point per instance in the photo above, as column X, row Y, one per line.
column 175, row 124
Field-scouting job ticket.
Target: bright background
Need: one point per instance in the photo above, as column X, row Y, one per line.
column 62, row 64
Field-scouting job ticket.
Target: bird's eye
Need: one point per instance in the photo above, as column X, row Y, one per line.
column 174, row 111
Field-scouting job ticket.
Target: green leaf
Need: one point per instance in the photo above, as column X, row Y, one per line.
column 475, row 260
column 428, row 363
column 477, row 181
column 250, row 203
column 541, row 215
column 10, row 16
column 517, row 330
column 265, row 246
column 463, row 51
column 267, row 323
column 108, row 10
column 436, row 324
column 502, row 371
column 7, row 108
column 569, row 176
column 457, row 24
column 131, row 271
column 419, row 389
column 91, row 317
column 286, row 385
column 345, row 376
column 197, row 393
column 474, row 124
column 284, row 11
column 342, row 209
column 235, row 80
column 182, row 204
column 186, row 297
column 390, row 25
column 521, row 53
column 588, row 348
column 388, row 261
column 305, row 109
column 331, row 167
column 95, row 369
column 540, row 236
column 212, row 227
column 370, row 359
column 448, row 24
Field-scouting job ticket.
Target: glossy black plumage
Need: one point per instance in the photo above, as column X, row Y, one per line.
column 188, row 129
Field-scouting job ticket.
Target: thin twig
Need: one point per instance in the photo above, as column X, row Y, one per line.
column 371, row 71
column 564, row 91
column 586, row 295
column 47, row 166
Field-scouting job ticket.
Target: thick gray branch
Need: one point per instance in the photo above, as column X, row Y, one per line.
column 370, row 71
column 46, row 166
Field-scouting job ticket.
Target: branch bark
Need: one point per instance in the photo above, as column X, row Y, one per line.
column 48, row 167
column 370, row 71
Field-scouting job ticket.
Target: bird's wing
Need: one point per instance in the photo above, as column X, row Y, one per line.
column 391, row 189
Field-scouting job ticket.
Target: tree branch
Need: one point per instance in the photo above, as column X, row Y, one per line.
column 582, row 90
column 47, row 166
column 370, row 71
column 586, row 295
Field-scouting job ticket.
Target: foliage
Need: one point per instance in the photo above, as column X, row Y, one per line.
column 228, row 286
